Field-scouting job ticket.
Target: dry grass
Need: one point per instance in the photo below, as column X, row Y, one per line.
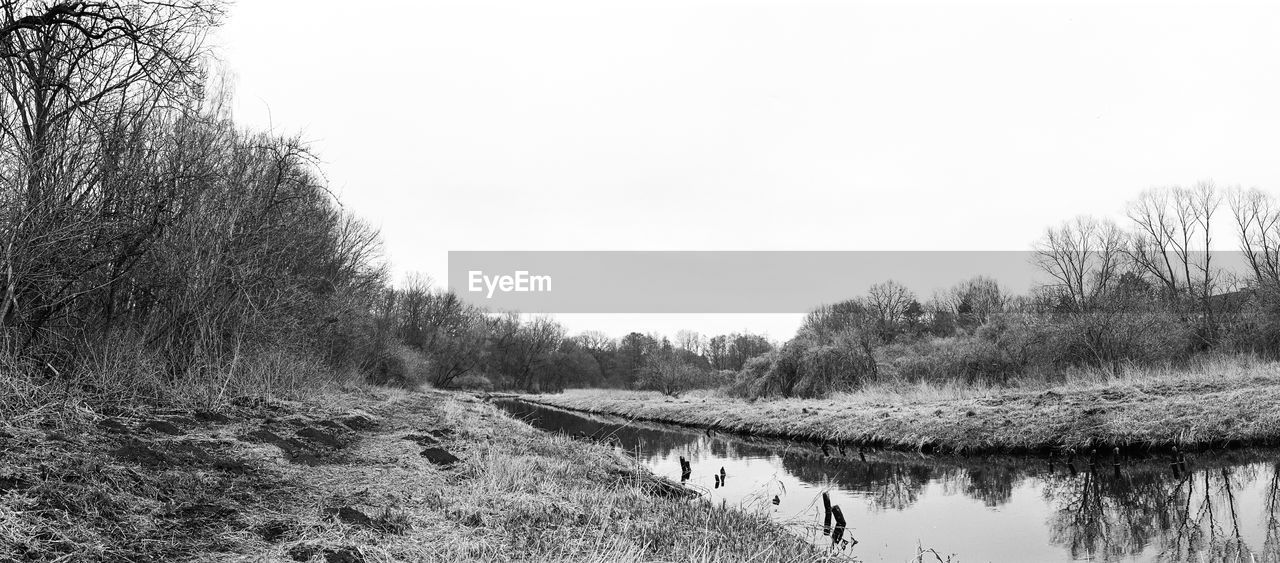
column 72, row 490
column 523, row 495
column 1218, row 402
column 1213, row 369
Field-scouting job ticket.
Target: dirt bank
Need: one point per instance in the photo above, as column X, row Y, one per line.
column 365, row 475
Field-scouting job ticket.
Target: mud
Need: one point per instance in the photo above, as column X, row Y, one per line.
column 440, row 456
column 133, row 485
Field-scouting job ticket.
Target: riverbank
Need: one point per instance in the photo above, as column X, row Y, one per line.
column 1191, row 412
column 364, row 474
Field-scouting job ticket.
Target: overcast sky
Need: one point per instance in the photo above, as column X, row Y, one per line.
column 739, row 125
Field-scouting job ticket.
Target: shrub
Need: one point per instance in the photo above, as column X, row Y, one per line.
column 831, row 367
column 1110, row 339
column 671, row 376
column 402, row 366
column 753, row 370
column 967, row 359
column 1255, row 328
column 810, row 366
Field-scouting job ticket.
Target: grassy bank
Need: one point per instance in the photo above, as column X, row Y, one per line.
column 1153, row 410
column 344, row 477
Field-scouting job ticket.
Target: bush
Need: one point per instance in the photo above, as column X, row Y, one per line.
column 840, row 366
column 753, row 370
column 671, row 376
column 1255, row 328
column 809, row 366
column 403, row 367
column 1110, row 339
column 967, row 359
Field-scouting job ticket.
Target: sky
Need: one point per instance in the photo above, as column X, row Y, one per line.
column 754, row 125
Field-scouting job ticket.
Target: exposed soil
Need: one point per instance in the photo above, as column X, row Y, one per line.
column 168, row 485
column 365, row 475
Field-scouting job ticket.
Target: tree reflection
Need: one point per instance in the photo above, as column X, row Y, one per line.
column 1193, row 516
column 893, row 486
column 993, row 485
column 1271, row 545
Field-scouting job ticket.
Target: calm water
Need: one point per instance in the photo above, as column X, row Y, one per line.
column 1224, row 507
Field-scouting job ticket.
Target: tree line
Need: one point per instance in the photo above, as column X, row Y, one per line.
column 145, row 235
column 143, row 232
column 437, row 338
column 141, row 229
column 1140, row 293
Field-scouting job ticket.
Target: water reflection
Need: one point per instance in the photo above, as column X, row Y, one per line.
column 1205, row 513
column 1224, row 506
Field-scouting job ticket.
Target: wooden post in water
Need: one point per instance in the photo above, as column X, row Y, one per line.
column 826, row 511
column 1115, row 461
column 838, row 533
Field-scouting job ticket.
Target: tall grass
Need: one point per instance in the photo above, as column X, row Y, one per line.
column 1215, row 400
column 1204, row 368
column 125, row 378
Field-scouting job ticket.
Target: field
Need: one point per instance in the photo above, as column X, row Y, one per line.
column 1220, row 404
column 362, row 474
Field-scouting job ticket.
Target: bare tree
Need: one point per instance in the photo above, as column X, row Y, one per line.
column 691, row 341
column 1083, row 256
column 974, row 301
column 1172, row 238
column 1257, row 218
column 889, row 301
column 86, row 90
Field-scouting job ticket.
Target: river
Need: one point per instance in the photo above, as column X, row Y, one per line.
column 1223, row 506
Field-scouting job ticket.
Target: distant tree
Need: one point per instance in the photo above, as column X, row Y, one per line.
column 718, row 351
column 569, row 366
column 1084, row 257
column 633, row 352
column 691, row 341
column 604, row 350
column 595, row 341
column 913, row 317
column 1171, row 238
column 517, row 349
column 1257, row 221
column 826, row 320
column 670, row 375
column 974, row 301
column 743, row 347
column 889, row 302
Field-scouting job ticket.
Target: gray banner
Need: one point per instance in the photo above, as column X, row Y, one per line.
column 723, row 281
